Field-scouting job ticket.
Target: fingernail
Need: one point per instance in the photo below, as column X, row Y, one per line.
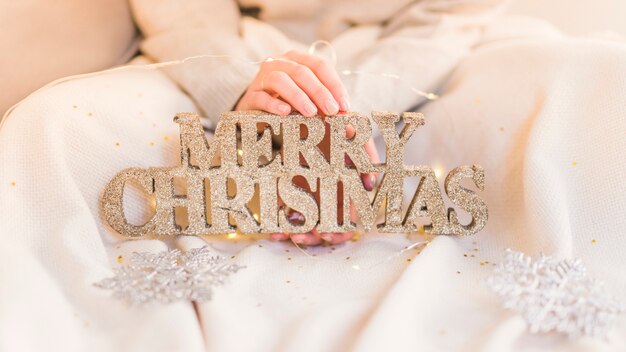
column 310, row 109
column 327, row 237
column 284, row 108
column 369, row 181
column 331, row 107
column 295, row 217
column 345, row 104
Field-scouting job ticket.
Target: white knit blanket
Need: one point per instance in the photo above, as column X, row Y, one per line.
column 545, row 116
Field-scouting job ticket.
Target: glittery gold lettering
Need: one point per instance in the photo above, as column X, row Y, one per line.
column 242, row 162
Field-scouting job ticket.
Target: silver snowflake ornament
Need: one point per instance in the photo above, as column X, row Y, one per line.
column 554, row 295
column 169, row 276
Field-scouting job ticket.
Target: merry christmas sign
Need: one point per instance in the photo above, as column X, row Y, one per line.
column 244, row 152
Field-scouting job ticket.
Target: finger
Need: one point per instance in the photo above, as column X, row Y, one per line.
column 261, row 100
column 372, row 152
column 309, row 239
column 326, row 74
column 336, row 237
column 309, row 82
column 369, row 179
column 313, row 87
column 279, row 236
column 281, row 83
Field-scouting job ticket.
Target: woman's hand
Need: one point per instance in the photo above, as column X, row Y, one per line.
column 296, row 80
column 310, row 85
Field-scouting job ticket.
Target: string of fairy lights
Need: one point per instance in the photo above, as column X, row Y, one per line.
column 314, row 49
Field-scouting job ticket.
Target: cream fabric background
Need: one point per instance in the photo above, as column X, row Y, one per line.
column 41, row 41
column 102, row 34
column 543, row 114
column 576, row 17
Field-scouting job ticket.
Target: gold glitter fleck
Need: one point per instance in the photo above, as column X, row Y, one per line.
column 288, row 258
column 166, row 138
column 465, row 255
column 119, row 259
column 75, row 106
column 347, row 258
column 117, row 144
column 232, row 257
column 408, row 259
column 90, row 114
column 458, row 272
column 574, row 163
column 13, row 184
column 472, row 256
column 593, row 241
column 477, row 101
column 475, row 249
column 288, row 281
column 501, row 129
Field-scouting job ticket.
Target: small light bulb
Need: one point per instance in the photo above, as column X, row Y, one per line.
column 432, row 96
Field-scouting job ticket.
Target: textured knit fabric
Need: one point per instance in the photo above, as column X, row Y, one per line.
column 544, row 115
column 403, row 37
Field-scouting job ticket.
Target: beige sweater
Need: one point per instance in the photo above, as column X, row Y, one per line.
column 420, row 41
